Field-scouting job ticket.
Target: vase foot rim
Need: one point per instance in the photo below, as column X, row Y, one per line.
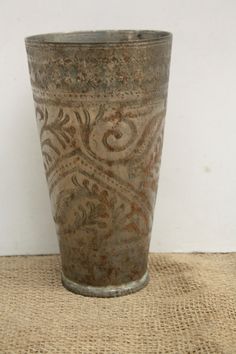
column 105, row 291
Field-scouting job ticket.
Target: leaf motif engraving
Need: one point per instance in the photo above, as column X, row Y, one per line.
column 54, row 135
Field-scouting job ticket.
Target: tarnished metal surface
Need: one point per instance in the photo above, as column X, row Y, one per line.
column 100, row 101
column 106, row 291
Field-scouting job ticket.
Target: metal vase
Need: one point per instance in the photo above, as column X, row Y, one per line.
column 100, row 101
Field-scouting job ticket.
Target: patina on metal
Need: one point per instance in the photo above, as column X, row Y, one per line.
column 100, row 101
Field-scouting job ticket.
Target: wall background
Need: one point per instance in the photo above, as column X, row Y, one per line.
column 196, row 209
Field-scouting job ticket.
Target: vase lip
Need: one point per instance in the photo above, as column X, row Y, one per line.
column 100, row 37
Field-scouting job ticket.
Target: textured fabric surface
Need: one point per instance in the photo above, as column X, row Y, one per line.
column 189, row 306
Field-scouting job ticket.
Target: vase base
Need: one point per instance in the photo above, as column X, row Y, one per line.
column 105, row 291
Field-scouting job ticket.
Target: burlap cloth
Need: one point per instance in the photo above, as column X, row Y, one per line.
column 188, row 307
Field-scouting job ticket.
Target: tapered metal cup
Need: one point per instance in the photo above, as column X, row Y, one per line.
column 100, row 100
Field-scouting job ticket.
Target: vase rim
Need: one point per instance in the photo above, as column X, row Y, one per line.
column 101, row 37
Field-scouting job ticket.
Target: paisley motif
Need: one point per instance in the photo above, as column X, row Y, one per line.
column 105, row 137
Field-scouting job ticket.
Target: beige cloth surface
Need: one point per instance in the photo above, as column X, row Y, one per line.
column 189, row 306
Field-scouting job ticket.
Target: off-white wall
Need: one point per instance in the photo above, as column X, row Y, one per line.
column 196, row 208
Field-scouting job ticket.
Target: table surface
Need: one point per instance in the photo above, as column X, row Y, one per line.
column 189, row 306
